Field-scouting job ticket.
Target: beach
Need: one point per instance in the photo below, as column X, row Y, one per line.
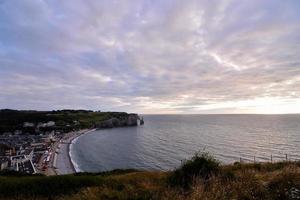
column 62, row 162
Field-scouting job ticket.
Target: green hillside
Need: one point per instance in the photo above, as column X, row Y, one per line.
column 65, row 120
column 200, row 178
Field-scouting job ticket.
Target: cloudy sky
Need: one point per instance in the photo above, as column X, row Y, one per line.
column 151, row 56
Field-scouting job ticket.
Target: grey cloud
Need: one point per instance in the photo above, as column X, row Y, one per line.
column 148, row 56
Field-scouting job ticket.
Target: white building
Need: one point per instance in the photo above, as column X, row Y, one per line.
column 28, row 124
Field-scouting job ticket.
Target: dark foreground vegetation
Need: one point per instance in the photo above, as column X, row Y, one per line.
column 202, row 177
column 65, row 120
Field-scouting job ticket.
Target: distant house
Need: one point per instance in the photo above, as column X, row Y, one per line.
column 39, row 125
column 26, row 167
column 17, row 132
column 39, row 147
column 4, row 161
column 28, row 153
column 7, row 134
column 14, row 160
column 28, row 124
column 50, row 123
column 22, row 164
column 6, row 150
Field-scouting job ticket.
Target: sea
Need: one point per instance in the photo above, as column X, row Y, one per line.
column 165, row 141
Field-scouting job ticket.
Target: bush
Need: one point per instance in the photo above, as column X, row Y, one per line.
column 202, row 165
column 285, row 185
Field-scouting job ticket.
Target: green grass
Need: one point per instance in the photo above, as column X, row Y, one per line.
column 44, row 186
column 203, row 175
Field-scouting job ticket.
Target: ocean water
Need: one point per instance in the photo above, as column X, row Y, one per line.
column 164, row 141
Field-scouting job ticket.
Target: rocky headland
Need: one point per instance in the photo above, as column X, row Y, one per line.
column 125, row 120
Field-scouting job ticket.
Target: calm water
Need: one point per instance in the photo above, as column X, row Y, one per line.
column 165, row 140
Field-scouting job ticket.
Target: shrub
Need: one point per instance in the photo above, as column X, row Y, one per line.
column 227, row 175
column 202, row 165
column 248, row 186
column 286, row 185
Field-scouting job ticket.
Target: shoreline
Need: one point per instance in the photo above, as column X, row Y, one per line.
column 64, row 162
column 71, row 143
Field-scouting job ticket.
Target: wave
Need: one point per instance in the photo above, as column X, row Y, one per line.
column 71, row 149
column 74, row 163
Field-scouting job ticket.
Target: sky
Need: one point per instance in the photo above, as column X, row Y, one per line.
column 151, row 56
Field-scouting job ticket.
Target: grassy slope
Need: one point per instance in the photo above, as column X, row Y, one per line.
column 246, row 181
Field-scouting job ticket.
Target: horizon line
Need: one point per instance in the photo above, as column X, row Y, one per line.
column 153, row 113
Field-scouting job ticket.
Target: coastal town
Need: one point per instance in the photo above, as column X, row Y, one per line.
column 34, row 142
column 32, row 153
